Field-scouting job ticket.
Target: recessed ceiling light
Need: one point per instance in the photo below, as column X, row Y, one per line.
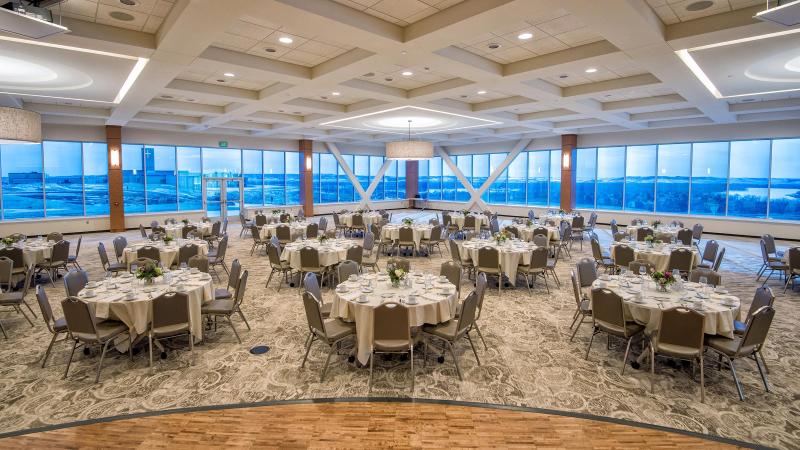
column 229, row 74
column 335, row 93
column 494, row 45
column 591, row 70
column 285, row 40
column 525, row 36
column 407, row 73
column 563, row 76
column 481, row 92
column 123, row 16
column 389, row 79
column 220, row 80
column 269, row 50
column 699, row 6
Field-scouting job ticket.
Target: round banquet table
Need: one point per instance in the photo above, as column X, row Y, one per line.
column 432, row 307
column 480, row 220
column 557, row 218
column 512, row 254
column 369, row 218
column 271, row 218
column 35, row 251
column 420, row 231
column 111, row 299
column 296, row 229
column 167, row 252
column 330, row 253
column 659, row 256
column 175, row 230
column 526, row 232
column 662, row 232
column 643, row 303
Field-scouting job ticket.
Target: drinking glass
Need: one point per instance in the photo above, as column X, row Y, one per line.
column 642, row 271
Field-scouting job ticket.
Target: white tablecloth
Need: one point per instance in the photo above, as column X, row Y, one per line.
column 35, row 252
column 392, row 231
column 480, row 220
column 369, row 218
column 330, row 253
column 297, row 230
column 175, row 230
column 169, row 253
column 658, row 256
column 512, row 254
column 526, row 233
column 719, row 316
column 111, row 303
column 662, row 230
column 431, row 308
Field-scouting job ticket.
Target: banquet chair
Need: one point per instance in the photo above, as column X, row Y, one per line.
column 119, row 243
column 345, row 269
column 620, row 236
column 339, row 227
column 55, row 236
column 714, row 279
column 141, row 262
column 73, row 259
column 149, row 251
column 170, row 319
column 601, row 259
column 405, row 239
column 583, row 306
column 391, row 333
column 469, row 227
column 323, row 224
column 309, row 262
column 245, row 224
column 643, row 232
column 455, row 256
column 608, row 317
column 85, row 329
column 312, row 231
column 684, row 236
column 697, row 234
column 185, row 252
column 551, row 266
column 356, row 254
column 435, row 240
column 747, row 345
column 233, row 280
column 513, row 231
column 676, row 223
column 331, row 332
column 75, row 281
column 767, row 264
column 772, row 251
column 198, row 262
column 54, row 326
column 709, row 255
column 158, row 231
column 680, row 335
column 718, row 261
column 14, row 299
column 217, row 257
column 540, row 240
column 452, row 271
column 635, row 265
column 623, row 256
column 260, row 219
column 357, row 224
column 186, row 230
column 578, row 228
column 284, row 234
column 586, row 271
column 108, row 267
column 454, row 330
column 311, row 285
column 536, row 268
column 793, row 267
column 371, row 254
column 228, row 307
column 662, row 236
column 277, row 265
column 58, row 260
column 284, row 218
column 531, row 215
column 17, row 256
column 215, row 235
column 481, row 283
column 399, row 263
column 565, row 237
column 489, row 263
column 681, row 259
column 762, row 297
column 636, row 222
column 494, row 226
column 614, row 227
column 255, row 232
column 142, row 231
column 540, row 231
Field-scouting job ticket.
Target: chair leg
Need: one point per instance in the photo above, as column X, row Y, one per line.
column 480, row 335
column 763, row 361
column 652, row 368
column 29, row 308
column 309, row 341
column 589, row 347
column 21, row 311
column 371, row 361
column 102, row 357
column 761, row 372
column 71, row 355
column 269, row 278
column 49, row 348
column 455, row 361
column 150, row 348
column 473, row 348
column 230, row 322
column 241, row 314
column 735, row 378
column 625, row 358
column 327, row 360
column 702, row 380
column 412, row 369
column 576, row 328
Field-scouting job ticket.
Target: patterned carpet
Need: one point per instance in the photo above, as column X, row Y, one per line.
column 529, row 361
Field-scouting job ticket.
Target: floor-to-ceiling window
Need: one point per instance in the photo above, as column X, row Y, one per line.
column 95, row 178
column 585, row 177
column 784, row 193
column 159, row 162
column 672, row 183
column 497, row 190
column 253, row 175
column 345, row 187
column 63, row 178
column 424, row 174
column 555, row 178
column 292, row 181
column 274, row 178
column 538, row 177
column 517, row 173
column 390, row 182
column 375, row 164
column 464, row 164
column 640, row 178
column 133, row 187
column 610, row 177
column 328, row 181
column 709, row 178
column 748, row 188
column 190, row 176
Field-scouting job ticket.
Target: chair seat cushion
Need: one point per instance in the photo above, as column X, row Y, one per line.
column 491, row 270
column 60, row 324
column 728, row 346
column 105, row 330
column 113, row 267
column 704, row 266
column 391, row 345
column 630, row 329
column 678, row 351
column 11, row 298
column 171, row 330
column 218, row 307
column 221, row 294
column 445, row 330
column 337, row 329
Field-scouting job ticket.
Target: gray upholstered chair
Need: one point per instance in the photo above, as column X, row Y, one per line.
column 762, row 297
column 277, row 265
column 636, row 265
column 401, row 263
column 109, row 267
column 75, row 281
column 608, row 317
column 170, row 319
column 56, row 326
column 489, row 263
column 331, row 332
column 684, row 236
column 119, row 247
column 311, row 285
column 309, row 262
column 228, row 307
column 233, row 281
column 712, row 278
column 345, row 269
column 452, row 271
column 709, row 255
column 583, row 308
column 681, row 259
column 680, row 335
column 391, row 333
column 537, row 268
column 149, row 252
column 453, row 330
column 623, row 256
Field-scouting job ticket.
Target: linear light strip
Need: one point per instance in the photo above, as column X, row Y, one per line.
column 137, row 70
column 66, row 47
column 487, row 121
column 698, row 72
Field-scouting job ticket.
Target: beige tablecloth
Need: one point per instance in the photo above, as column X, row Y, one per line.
column 480, row 220
column 330, row 253
column 175, row 230
column 527, row 232
column 658, row 256
column 369, row 218
column 431, row 308
column 35, row 252
column 512, row 254
column 392, row 231
column 297, row 230
column 719, row 316
column 111, row 303
column 169, row 253
column 662, row 231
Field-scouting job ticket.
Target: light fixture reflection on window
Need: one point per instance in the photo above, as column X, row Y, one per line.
column 565, row 161
column 115, row 158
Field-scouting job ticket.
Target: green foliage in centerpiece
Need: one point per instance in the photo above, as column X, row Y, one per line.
column 408, row 221
column 322, row 238
column 501, row 237
column 8, row 241
column 663, row 279
column 168, row 239
column 649, row 238
column 465, row 212
column 656, row 223
column 529, row 223
column 148, row 272
column 185, row 221
column 396, row 274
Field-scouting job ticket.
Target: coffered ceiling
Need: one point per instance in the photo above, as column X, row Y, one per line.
column 520, row 68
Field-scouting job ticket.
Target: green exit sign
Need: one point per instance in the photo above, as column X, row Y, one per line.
column 223, row 144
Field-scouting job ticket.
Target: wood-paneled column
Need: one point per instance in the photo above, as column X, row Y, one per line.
column 412, row 181
column 306, row 176
column 568, row 144
column 116, row 201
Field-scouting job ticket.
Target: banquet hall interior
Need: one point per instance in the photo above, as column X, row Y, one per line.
column 399, row 223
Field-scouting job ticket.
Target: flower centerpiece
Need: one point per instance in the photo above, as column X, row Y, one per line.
column 561, row 212
column 185, row 221
column 361, row 210
column 663, row 279
column 408, row 221
column 148, row 273
column 501, row 237
column 167, row 239
column 529, row 223
column 656, row 223
column 396, row 275
column 465, row 212
column 275, row 212
column 8, row 241
column 322, row 238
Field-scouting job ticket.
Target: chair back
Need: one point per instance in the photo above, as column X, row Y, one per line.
column 436, row 233
column 222, row 247
column 539, row 258
column 597, row 252
column 158, row 231
column 119, row 246
column 488, row 257
column 405, row 235
column 757, row 329
column 713, row 278
column 614, row 227
column 60, row 252
column 468, row 313
column 587, row 272
column 469, row 221
column 261, row 220
column 15, row 254
column 718, row 261
column 142, row 261
column 769, row 241
column 540, row 240
column 274, row 255
column 540, row 231
column 150, row 252
column 643, row 232
column 170, row 309
column 697, row 231
column 198, row 262
column 391, row 323
column 494, row 226
column 311, row 284
column 620, row 236
column 44, row 306
column 513, row 231
column 684, row 236
column 446, row 219
column 284, row 233
column 309, row 257
column 78, row 247
column 336, row 221
column 454, row 253
column 75, row 281
column 356, row 254
column 592, row 219
column 623, row 255
column 142, row 231
column 79, row 318
column 101, row 250
column 347, row 268
column 399, row 263
column 369, row 241
column 323, row 224
column 763, row 297
column 216, row 227
column 357, row 220
column 241, row 286
column 187, row 251
column 6, row 268
column 224, row 226
column 635, row 265
column 452, row 271
column 312, row 230
column 576, row 290
column 284, row 218
column 186, row 229
column 577, row 223
column 793, row 258
column 313, row 314
column 55, row 236
column 681, row 259
column 235, row 274
column 531, row 215
column 682, row 326
column 764, row 252
column 607, row 308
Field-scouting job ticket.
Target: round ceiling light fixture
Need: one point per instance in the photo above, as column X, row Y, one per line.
column 699, row 6
column 336, row 93
column 481, row 92
column 121, row 16
column 591, row 70
column 407, row 73
column 229, row 74
column 19, row 126
column 409, row 149
column 285, row 40
column 525, row 36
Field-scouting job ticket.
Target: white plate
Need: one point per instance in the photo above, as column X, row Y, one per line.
column 358, row 300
